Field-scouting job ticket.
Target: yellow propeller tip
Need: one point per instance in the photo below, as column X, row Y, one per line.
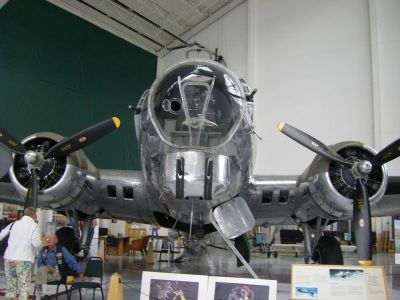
column 117, row 122
column 281, row 125
column 365, row 263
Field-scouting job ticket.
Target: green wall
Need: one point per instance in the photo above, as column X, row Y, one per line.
column 60, row 73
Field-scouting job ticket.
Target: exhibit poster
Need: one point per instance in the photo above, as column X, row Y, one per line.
column 397, row 240
column 173, row 286
column 330, row 282
column 241, row 288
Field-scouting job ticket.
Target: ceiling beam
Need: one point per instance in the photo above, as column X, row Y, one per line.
column 96, row 16
column 202, row 25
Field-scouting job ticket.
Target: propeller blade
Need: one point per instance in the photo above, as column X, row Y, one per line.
column 387, row 154
column 5, row 160
column 83, row 138
column 31, row 195
column 311, row 143
column 11, row 143
column 362, row 224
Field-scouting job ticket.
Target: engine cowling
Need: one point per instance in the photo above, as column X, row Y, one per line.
column 62, row 180
column 327, row 187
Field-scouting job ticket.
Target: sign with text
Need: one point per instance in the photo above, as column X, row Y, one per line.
column 330, row 282
column 397, row 240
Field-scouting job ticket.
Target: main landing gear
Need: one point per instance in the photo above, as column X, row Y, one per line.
column 322, row 249
column 82, row 237
column 328, row 251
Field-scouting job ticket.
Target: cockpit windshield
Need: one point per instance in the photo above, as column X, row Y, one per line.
column 197, row 103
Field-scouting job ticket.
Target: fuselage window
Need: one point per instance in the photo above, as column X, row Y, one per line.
column 111, row 191
column 267, row 196
column 283, row 197
column 128, row 192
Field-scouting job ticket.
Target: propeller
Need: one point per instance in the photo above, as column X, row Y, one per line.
column 83, row 138
column 359, row 170
column 362, row 224
column 387, row 154
column 5, row 160
column 311, row 143
column 11, row 143
column 41, row 164
column 31, row 194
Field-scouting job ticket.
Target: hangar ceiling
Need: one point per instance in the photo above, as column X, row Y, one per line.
column 154, row 25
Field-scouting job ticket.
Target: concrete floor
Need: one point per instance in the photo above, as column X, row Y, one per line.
column 221, row 263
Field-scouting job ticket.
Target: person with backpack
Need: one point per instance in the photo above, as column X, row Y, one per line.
column 55, row 263
column 23, row 242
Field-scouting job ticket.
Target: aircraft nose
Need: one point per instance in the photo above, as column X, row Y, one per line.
column 197, row 174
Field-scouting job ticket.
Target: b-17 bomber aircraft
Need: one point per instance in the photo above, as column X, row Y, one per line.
column 196, row 137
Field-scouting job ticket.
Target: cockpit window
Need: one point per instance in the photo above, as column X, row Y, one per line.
column 197, row 104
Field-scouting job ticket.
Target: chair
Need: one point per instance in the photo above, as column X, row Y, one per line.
column 94, row 269
column 139, row 245
column 111, row 243
column 167, row 248
column 58, row 283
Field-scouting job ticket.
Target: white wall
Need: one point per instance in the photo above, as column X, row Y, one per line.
column 312, row 63
column 115, row 228
column 385, row 29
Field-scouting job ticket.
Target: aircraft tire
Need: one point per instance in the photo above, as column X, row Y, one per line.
column 328, row 251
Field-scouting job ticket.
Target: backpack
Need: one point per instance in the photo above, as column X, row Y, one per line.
column 4, row 242
column 66, row 237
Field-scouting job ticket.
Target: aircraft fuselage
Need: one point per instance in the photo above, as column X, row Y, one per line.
column 196, row 138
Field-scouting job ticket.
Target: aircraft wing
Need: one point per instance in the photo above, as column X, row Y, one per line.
column 272, row 199
column 276, row 199
column 124, row 196
column 52, row 172
column 8, row 192
column 113, row 194
column 280, row 199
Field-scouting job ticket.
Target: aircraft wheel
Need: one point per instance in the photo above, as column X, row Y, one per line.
column 328, row 251
column 268, row 254
column 275, row 254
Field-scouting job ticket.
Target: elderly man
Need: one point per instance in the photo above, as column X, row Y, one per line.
column 55, row 263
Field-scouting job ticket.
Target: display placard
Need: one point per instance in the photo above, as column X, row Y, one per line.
column 241, row 288
column 332, row 282
column 156, row 285
column 173, row 286
column 397, row 240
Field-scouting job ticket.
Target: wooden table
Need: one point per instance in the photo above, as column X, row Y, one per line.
column 102, row 247
column 122, row 245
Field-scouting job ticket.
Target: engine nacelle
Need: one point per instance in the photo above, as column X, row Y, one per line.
column 327, row 187
column 65, row 179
